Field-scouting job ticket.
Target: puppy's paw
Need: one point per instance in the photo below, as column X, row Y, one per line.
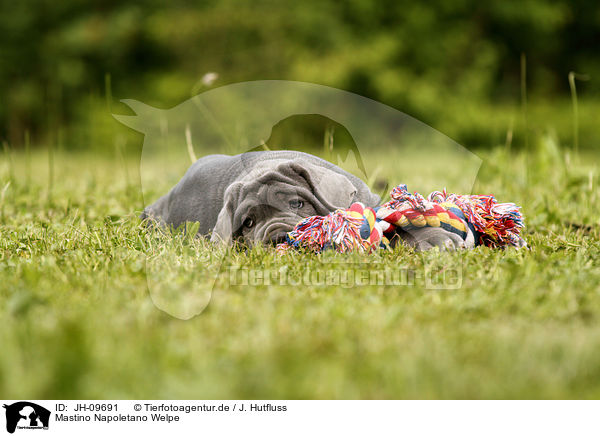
column 430, row 237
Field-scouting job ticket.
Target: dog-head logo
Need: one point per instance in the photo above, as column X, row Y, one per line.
column 26, row 415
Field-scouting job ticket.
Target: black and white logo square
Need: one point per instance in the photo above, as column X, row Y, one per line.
column 26, row 415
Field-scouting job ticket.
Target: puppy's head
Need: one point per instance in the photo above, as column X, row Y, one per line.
column 270, row 200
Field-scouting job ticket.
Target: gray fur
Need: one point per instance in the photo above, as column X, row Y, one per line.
column 218, row 192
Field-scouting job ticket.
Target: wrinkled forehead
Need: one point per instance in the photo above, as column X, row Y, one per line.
column 266, row 183
column 257, row 169
column 275, row 195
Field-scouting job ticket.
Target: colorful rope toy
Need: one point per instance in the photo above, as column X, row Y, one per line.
column 477, row 219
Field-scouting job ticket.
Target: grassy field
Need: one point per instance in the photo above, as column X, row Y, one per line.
column 78, row 321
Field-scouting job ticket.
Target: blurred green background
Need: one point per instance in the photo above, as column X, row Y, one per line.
column 494, row 76
column 484, row 73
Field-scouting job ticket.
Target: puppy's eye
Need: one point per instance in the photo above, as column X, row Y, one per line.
column 248, row 222
column 296, row 204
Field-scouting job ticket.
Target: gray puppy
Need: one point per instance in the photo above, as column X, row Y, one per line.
column 260, row 196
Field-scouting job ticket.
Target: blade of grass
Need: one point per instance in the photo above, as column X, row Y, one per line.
column 572, row 76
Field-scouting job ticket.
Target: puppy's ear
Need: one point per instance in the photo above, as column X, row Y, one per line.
column 332, row 189
column 223, row 230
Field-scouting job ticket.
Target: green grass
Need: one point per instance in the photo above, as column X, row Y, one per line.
column 78, row 321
